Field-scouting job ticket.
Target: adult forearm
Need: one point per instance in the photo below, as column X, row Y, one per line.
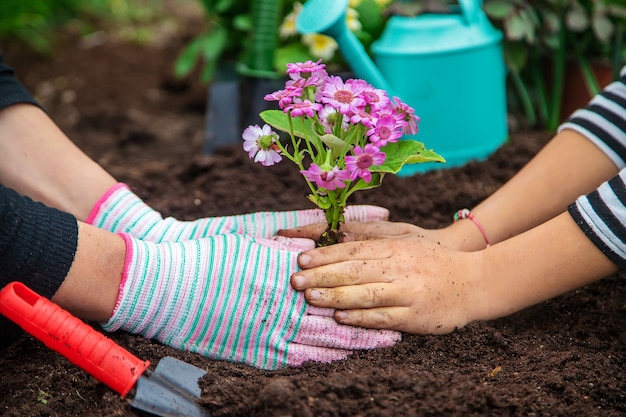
column 540, row 264
column 92, row 284
column 38, row 160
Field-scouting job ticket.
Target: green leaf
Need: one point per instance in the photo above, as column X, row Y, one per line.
column 243, row 22
column 405, row 152
column 517, row 28
column 377, row 180
column 603, row 28
column 222, row 6
column 187, row 59
column 213, row 44
column 280, row 121
column 322, row 202
column 336, row 145
column 209, row 46
column 577, row 20
column 371, row 17
column 498, row 9
column 292, row 52
column 516, row 55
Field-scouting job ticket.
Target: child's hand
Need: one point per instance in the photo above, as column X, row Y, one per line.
column 410, row 285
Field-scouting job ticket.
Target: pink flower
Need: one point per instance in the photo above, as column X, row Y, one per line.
column 284, row 97
column 386, row 129
column 376, row 98
column 345, row 97
column 302, row 108
column 260, row 143
column 305, row 68
column 329, row 117
column 330, row 180
column 314, row 72
column 362, row 117
column 408, row 115
column 303, row 82
column 358, row 165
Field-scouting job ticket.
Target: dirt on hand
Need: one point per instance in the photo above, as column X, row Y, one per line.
column 121, row 105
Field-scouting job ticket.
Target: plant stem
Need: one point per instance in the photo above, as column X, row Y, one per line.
column 591, row 82
column 538, row 81
column 334, row 216
column 524, row 96
column 557, row 79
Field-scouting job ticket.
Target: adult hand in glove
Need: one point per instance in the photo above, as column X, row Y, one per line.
column 228, row 297
column 120, row 210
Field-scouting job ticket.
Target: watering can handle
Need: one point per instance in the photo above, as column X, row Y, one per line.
column 471, row 10
column 68, row 335
column 328, row 17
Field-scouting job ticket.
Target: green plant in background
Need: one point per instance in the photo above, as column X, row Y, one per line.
column 226, row 25
column 260, row 36
column 133, row 20
column 365, row 18
column 32, row 22
column 550, row 33
column 36, row 22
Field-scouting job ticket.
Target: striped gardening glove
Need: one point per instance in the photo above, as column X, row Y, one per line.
column 120, row 210
column 228, row 297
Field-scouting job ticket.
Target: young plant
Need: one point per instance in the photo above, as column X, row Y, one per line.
column 342, row 135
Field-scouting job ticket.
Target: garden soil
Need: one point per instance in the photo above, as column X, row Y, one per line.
column 120, row 103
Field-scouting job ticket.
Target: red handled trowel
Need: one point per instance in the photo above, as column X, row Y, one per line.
column 170, row 390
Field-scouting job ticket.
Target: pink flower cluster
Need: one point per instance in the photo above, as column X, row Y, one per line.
column 337, row 107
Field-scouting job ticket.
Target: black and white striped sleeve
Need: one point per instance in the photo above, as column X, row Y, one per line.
column 602, row 214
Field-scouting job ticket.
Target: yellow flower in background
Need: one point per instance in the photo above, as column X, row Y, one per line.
column 381, row 3
column 320, row 46
column 288, row 27
column 352, row 20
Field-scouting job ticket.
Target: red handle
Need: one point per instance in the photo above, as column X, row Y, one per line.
column 84, row 346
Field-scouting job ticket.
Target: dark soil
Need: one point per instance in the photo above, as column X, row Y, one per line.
column 120, row 103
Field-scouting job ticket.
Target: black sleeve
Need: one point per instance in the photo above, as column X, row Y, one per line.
column 37, row 247
column 11, row 90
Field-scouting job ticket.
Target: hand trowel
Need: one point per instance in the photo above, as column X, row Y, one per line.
column 170, row 390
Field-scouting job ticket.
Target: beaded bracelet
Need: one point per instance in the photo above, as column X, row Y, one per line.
column 466, row 214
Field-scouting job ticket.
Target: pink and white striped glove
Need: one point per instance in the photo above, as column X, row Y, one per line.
column 120, row 210
column 228, row 297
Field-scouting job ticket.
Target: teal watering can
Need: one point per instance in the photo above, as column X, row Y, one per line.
column 448, row 66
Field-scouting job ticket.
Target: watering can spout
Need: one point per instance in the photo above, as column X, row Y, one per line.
column 328, row 17
column 446, row 64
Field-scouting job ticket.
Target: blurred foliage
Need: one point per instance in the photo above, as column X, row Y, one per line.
column 557, row 32
column 36, row 23
column 237, row 32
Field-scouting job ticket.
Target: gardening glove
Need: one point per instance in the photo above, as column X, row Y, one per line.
column 120, row 210
column 228, row 297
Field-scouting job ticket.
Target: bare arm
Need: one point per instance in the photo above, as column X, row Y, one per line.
column 38, row 160
column 418, row 286
column 91, row 287
column 567, row 167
